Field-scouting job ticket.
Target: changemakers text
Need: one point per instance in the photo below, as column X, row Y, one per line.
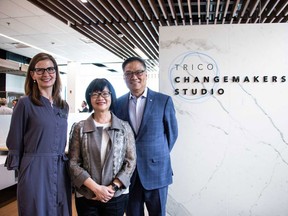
column 224, row 79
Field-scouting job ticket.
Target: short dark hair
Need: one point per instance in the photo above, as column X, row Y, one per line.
column 132, row 59
column 99, row 84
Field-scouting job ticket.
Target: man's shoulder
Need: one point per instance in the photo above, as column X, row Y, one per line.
column 123, row 97
column 157, row 94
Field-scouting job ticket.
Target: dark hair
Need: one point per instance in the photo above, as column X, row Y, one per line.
column 132, row 59
column 99, row 84
column 32, row 89
column 84, row 102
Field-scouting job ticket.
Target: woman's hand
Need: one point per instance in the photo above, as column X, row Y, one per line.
column 103, row 193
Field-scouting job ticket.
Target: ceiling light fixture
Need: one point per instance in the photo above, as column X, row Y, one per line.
column 84, row 1
column 86, row 40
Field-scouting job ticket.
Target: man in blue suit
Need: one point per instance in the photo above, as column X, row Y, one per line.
column 152, row 117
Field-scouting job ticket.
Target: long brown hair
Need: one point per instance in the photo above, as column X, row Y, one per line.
column 31, row 88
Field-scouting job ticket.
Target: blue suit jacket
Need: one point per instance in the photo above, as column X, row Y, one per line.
column 155, row 139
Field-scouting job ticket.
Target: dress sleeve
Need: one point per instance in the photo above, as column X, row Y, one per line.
column 15, row 136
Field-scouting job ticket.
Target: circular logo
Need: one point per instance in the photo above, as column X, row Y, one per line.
column 194, row 76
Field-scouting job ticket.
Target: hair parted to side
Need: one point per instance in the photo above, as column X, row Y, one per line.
column 31, row 89
column 132, row 59
column 99, row 84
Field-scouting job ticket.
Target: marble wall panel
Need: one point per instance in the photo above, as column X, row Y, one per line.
column 231, row 157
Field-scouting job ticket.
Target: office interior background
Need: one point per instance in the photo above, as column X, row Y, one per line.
column 98, row 35
column 91, row 39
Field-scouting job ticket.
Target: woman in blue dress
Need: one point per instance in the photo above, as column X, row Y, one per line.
column 37, row 140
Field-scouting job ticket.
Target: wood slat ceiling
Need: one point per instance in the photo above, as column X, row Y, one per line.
column 122, row 25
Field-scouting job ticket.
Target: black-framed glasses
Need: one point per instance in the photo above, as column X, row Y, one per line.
column 138, row 73
column 103, row 94
column 41, row 71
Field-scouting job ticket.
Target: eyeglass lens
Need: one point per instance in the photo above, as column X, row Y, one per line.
column 41, row 71
column 131, row 73
column 104, row 94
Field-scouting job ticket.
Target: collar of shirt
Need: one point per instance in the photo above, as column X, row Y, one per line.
column 143, row 95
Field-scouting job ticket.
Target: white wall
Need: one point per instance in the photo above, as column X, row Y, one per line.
column 231, row 157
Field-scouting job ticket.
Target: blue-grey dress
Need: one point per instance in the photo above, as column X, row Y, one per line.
column 36, row 143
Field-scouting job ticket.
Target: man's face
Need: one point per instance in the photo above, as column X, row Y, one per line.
column 135, row 77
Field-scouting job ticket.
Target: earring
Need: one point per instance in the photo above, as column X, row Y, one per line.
column 34, row 81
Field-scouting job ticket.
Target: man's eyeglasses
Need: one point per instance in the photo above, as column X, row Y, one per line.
column 41, row 71
column 138, row 73
column 103, row 94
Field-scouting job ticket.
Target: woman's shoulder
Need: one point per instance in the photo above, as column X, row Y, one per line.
column 24, row 98
column 86, row 124
column 24, row 101
column 119, row 122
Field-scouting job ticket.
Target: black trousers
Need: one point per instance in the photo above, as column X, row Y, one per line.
column 114, row 207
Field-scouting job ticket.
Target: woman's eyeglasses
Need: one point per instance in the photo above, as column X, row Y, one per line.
column 103, row 94
column 41, row 71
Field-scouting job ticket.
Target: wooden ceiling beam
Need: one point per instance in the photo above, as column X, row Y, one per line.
column 164, row 12
column 262, row 8
column 225, row 11
column 141, row 40
column 70, row 10
column 109, row 10
column 101, row 10
column 81, row 8
column 281, row 8
column 156, row 12
column 173, row 12
column 144, row 19
column 235, row 8
column 53, row 8
column 189, row 5
column 180, row 5
column 120, row 10
column 217, row 11
column 269, row 9
column 140, row 33
column 92, row 10
column 207, row 11
column 243, row 11
column 152, row 19
column 199, row 11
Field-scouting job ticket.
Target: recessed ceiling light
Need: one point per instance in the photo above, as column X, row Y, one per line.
column 19, row 45
column 86, row 40
column 84, row 1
